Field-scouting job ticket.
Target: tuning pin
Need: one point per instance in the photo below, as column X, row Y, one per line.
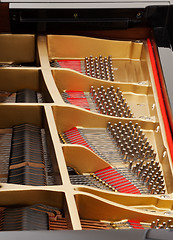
column 153, row 224
column 168, row 223
column 157, row 222
column 164, row 225
column 91, row 90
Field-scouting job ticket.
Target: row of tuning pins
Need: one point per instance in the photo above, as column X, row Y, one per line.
column 151, row 175
column 110, row 102
column 143, row 225
column 99, row 67
column 162, row 225
column 131, row 140
column 138, row 153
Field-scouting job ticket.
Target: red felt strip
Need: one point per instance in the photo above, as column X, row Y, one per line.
column 106, row 174
column 160, row 98
column 133, row 222
column 76, row 94
column 122, row 182
column 116, row 178
column 163, row 87
column 125, row 185
column 99, row 171
column 78, row 98
column 113, row 178
column 75, row 137
column 72, row 129
column 127, row 188
column 80, row 102
column 72, row 64
column 73, row 91
column 138, row 227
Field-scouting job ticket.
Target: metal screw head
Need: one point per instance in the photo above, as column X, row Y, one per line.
column 139, row 15
column 75, row 15
column 164, row 196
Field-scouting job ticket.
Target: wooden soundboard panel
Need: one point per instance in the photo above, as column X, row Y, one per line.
column 104, row 135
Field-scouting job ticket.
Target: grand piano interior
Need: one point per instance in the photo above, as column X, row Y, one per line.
column 86, row 119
